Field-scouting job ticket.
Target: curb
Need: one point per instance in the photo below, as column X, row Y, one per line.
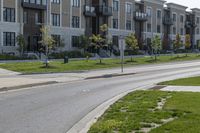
column 26, row 86
column 86, row 122
column 110, row 76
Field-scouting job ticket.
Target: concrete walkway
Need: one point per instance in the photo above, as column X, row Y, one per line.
column 182, row 88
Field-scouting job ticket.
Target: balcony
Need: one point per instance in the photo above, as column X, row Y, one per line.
column 89, row 11
column 190, row 24
column 140, row 16
column 168, row 21
column 28, row 4
column 105, row 10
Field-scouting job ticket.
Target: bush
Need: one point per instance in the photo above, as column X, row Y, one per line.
column 12, row 57
column 70, row 54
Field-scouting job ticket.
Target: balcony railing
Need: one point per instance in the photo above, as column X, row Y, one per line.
column 89, row 11
column 140, row 16
column 190, row 24
column 41, row 6
column 105, row 10
column 168, row 21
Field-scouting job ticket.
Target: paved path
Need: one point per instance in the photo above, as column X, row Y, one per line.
column 56, row 108
column 182, row 88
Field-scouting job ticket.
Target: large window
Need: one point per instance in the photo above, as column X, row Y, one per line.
column 148, row 27
column 174, row 30
column 158, row 29
column 115, row 23
column 39, row 2
column 115, row 5
column 55, row 19
column 149, row 12
column 25, row 17
column 128, row 8
column 128, row 24
column 182, row 31
column 159, row 14
column 75, row 22
column 174, row 17
column 75, row 41
column 76, row 3
column 181, row 18
column 9, row 14
column 9, row 38
column 57, row 39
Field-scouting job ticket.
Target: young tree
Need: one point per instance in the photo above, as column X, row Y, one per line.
column 84, row 42
column 97, row 42
column 177, row 42
column 132, row 43
column 187, row 43
column 47, row 41
column 21, row 44
column 156, row 45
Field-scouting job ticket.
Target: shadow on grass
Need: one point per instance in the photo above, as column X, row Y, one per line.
column 49, row 67
column 152, row 61
column 101, row 64
column 129, row 61
column 179, row 57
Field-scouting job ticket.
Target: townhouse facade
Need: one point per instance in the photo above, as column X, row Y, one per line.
column 69, row 19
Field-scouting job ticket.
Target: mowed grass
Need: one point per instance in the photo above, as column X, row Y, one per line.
column 59, row 66
column 137, row 111
column 192, row 81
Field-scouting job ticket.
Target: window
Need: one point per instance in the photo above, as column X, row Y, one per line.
column 149, row 12
column 25, row 17
column 39, row 2
column 158, row 29
column 55, row 1
column 76, row 3
column 158, row 14
column 75, row 41
column 9, row 14
column 181, row 18
column 198, row 20
column 75, row 22
column 197, row 31
column 174, row 30
column 55, row 19
column 128, row 24
column 128, row 8
column 182, row 31
column 9, row 38
column 115, row 5
column 57, row 40
column 148, row 27
column 174, row 17
column 115, row 23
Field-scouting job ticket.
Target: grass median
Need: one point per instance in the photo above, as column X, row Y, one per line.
column 59, row 66
column 152, row 111
column 192, row 81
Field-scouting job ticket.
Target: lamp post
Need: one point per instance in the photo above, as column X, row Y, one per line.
column 122, row 47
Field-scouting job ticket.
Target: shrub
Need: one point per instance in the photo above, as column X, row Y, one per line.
column 70, row 54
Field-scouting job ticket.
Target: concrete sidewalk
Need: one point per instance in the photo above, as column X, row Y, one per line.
column 182, row 88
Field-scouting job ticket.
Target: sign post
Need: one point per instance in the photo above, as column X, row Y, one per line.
column 122, row 47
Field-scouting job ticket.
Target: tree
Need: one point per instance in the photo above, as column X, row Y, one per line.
column 97, row 42
column 104, row 29
column 21, row 43
column 187, row 43
column 47, row 41
column 132, row 43
column 84, row 42
column 156, row 45
column 177, row 42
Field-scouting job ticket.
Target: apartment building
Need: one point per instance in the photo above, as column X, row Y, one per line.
column 68, row 19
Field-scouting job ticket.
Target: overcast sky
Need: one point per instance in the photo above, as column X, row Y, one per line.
column 188, row 3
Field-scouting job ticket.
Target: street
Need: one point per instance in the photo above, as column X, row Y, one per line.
column 56, row 108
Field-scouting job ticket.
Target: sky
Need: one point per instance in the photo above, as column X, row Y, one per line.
column 188, row 3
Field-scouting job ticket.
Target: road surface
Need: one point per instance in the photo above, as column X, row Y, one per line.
column 56, row 108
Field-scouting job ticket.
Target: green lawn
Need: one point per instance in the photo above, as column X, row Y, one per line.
column 56, row 66
column 192, row 81
column 137, row 111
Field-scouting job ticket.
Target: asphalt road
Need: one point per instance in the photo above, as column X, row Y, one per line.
column 56, row 108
